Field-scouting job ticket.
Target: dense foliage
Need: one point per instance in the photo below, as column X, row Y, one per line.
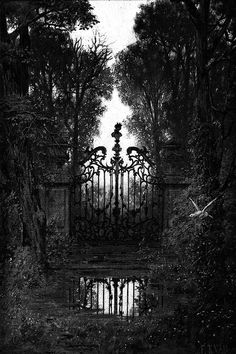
column 155, row 75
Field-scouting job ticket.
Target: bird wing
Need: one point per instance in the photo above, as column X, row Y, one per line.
column 195, row 205
column 207, row 206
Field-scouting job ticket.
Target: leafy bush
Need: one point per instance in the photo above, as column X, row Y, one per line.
column 205, row 273
column 23, row 275
column 24, row 270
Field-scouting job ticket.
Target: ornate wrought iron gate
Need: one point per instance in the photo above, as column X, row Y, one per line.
column 117, row 201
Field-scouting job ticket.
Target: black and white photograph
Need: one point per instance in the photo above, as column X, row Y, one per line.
column 118, row 176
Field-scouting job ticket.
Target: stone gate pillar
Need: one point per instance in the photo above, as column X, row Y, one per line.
column 175, row 181
column 55, row 200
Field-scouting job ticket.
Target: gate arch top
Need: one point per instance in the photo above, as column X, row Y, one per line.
column 138, row 159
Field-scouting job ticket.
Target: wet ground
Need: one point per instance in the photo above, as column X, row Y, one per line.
column 112, row 280
column 110, row 285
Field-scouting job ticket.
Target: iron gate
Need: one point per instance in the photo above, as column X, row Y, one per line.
column 117, row 201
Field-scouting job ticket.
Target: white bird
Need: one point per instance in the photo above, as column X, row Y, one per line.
column 201, row 213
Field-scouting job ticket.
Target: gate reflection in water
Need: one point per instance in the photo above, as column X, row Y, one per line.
column 127, row 297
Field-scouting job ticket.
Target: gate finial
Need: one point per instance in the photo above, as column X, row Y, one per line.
column 117, row 134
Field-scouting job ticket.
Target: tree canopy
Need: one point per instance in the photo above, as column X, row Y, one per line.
column 158, row 69
column 51, row 91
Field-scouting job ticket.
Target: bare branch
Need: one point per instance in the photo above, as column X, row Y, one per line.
column 219, row 36
column 194, row 13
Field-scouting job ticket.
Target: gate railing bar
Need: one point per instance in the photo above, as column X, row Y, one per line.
column 103, row 297
column 128, row 202
column 86, row 207
column 139, row 299
column 127, row 308
column 134, row 196
column 140, row 205
column 92, row 199
column 98, row 204
column 104, row 202
column 79, row 291
column 85, row 292
column 122, row 195
column 110, row 297
column 91, row 296
column 115, row 287
column 121, row 300
column 146, row 196
column 111, row 195
column 97, row 297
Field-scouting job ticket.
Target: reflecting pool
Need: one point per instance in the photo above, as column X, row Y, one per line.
column 123, row 297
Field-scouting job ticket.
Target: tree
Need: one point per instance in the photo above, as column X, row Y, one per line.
column 142, row 86
column 215, row 42
column 163, row 61
column 22, row 145
column 83, row 82
column 24, row 16
column 68, row 83
column 169, row 31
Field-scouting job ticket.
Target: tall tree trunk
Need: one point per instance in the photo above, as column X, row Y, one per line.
column 3, row 24
column 23, row 66
column 3, row 39
column 74, row 167
column 17, row 172
column 205, row 148
column 34, row 221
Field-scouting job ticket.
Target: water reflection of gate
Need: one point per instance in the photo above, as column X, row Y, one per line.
column 117, row 201
column 127, row 297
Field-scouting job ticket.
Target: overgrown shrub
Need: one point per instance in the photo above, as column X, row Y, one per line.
column 23, row 275
column 205, row 273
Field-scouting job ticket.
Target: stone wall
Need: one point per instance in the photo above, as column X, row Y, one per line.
column 175, row 181
column 172, row 190
column 56, row 196
column 55, row 202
